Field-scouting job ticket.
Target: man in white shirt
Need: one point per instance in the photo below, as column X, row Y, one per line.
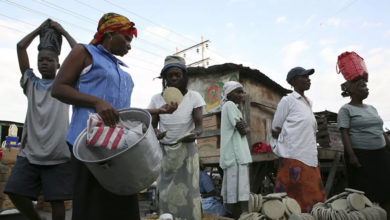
column 294, row 141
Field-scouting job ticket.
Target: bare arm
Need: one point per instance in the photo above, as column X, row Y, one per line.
column 198, row 120
column 242, row 127
column 197, row 117
column 165, row 109
column 72, row 42
column 22, row 46
column 67, row 76
column 353, row 160
column 387, row 140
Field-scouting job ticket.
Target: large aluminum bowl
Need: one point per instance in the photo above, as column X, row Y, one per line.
column 124, row 171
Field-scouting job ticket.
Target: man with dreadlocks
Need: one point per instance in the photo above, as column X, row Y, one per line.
column 92, row 81
column 178, row 183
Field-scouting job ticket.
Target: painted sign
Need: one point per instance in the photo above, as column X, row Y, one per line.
column 213, row 94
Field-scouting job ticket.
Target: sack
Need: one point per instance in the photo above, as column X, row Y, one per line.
column 50, row 39
column 125, row 134
column 351, row 65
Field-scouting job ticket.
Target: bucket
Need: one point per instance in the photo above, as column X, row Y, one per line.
column 351, row 65
column 124, row 171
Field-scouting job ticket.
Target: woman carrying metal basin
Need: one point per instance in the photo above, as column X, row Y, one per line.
column 92, row 81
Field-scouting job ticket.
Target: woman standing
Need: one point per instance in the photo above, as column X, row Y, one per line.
column 92, row 81
column 178, row 183
column 366, row 144
column 235, row 155
column 294, row 132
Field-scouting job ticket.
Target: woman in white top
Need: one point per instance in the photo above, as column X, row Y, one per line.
column 294, row 132
column 178, row 183
column 235, row 156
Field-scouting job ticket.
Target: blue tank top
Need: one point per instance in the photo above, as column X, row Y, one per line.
column 105, row 80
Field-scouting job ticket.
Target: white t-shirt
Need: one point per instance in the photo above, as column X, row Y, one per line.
column 297, row 140
column 180, row 122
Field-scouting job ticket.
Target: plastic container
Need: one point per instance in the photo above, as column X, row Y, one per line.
column 351, row 65
column 124, row 171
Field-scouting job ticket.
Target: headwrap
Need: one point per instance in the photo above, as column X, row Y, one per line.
column 111, row 22
column 345, row 89
column 173, row 61
column 229, row 87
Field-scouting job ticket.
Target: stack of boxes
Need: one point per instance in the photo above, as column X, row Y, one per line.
column 10, row 150
column 208, row 146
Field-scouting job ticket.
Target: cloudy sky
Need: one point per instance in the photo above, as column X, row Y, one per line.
column 269, row 35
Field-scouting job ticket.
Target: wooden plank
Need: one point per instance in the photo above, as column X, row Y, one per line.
column 255, row 158
column 247, row 117
column 332, row 173
column 264, row 157
column 209, row 133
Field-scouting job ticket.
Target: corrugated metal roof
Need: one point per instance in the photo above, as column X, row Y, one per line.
column 243, row 70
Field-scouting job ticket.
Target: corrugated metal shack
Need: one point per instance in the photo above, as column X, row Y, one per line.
column 258, row 108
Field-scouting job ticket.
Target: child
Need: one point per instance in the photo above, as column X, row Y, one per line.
column 43, row 162
column 179, row 179
column 234, row 153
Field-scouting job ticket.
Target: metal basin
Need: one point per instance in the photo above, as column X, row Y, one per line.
column 124, row 171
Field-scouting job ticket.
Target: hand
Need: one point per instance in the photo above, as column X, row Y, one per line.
column 57, row 27
column 160, row 135
column 276, row 132
column 242, row 127
column 108, row 113
column 168, row 108
column 190, row 138
column 47, row 21
column 354, row 161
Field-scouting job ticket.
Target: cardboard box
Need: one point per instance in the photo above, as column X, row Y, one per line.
column 5, row 171
column 208, row 146
column 6, row 204
column 2, row 194
column 212, row 122
column 9, row 155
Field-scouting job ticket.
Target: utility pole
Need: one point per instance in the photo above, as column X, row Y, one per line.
column 204, row 44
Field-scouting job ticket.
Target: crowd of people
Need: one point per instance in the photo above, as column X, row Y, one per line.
column 92, row 81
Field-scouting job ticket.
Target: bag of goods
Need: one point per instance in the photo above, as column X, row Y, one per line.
column 351, row 65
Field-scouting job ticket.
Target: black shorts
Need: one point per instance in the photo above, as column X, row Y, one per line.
column 55, row 181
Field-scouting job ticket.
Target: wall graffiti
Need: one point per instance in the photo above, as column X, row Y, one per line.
column 213, row 93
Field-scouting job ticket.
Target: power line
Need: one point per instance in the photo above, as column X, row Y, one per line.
column 16, row 19
column 149, row 42
column 14, row 29
column 47, row 15
column 42, row 14
column 64, row 10
column 54, row 6
column 146, row 19
column 103, row 12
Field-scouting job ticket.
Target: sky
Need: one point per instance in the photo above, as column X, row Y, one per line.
column 272, row 36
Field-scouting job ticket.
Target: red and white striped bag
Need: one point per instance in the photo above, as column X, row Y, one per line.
column 99, row 135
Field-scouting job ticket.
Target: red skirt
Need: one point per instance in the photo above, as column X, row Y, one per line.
column 301, row 182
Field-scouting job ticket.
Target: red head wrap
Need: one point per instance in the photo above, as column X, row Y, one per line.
column 112, row 22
